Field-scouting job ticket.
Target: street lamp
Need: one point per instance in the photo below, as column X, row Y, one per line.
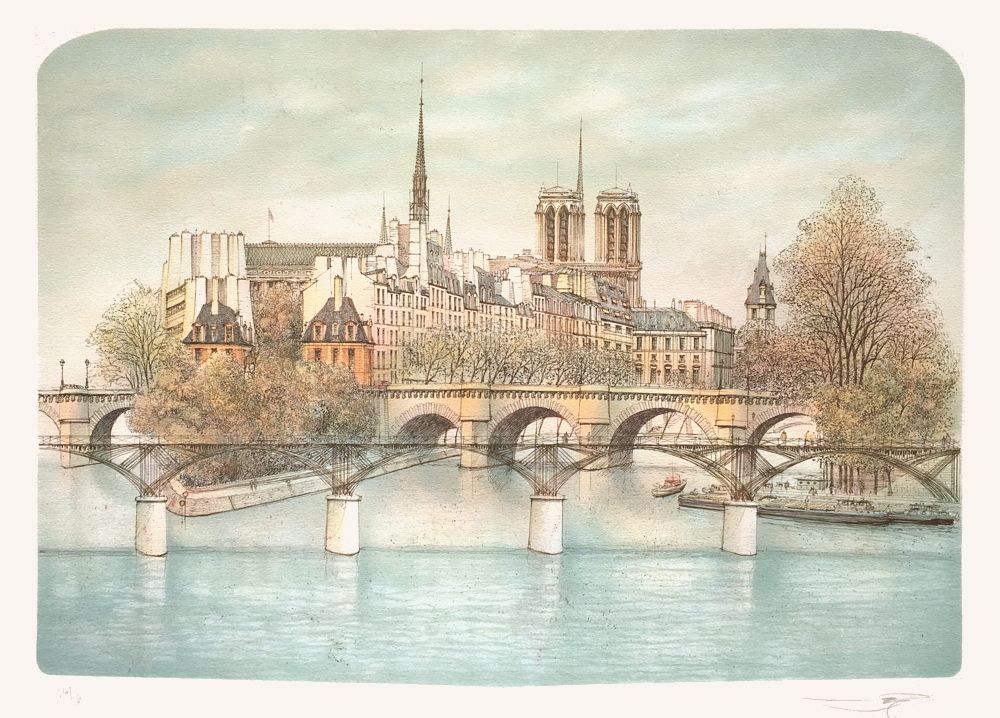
column 62, row 373
column 86, row 382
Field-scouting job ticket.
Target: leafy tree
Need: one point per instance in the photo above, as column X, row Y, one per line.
column 501, row 356
column 277, row 312
column 130, row 340
column 863, row 341
column 852, row 284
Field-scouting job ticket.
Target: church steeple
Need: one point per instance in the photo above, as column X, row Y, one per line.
column 383, row 237
column 760, row 302
column 579, row 167
column 447, row 231
column 419, row 197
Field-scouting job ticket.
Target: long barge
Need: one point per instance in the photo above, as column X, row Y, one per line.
column 840, row 514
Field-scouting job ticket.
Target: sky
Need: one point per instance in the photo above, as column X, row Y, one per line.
column 724, row 135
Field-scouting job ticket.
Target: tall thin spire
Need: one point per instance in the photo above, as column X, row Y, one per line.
column 579, row 167
column 420, row 199
column 383, row 237
column 447, row 230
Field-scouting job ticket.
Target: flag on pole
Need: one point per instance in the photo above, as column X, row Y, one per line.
column 270, row 216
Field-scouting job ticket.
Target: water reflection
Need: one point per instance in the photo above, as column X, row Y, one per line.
column 151, row 579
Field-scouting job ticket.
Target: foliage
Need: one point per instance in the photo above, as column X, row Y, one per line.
column 278, row 401
column 130, row 340
column 277, row 312
column 852, row 285
column 863, row 341
column 497, row 356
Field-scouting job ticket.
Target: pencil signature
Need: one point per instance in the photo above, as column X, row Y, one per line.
column 885, row 702
column 69, row 694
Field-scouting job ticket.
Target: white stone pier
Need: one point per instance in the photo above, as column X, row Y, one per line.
column 739, row 528
column 151, row 525
column 343, row 524
column 545, row 525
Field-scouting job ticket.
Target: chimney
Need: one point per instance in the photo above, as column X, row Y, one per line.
column 338, row 292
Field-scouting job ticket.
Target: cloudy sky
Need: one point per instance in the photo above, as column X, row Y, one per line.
column 725, row 136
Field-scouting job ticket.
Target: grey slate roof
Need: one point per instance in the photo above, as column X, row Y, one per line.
column 761, row 274
column 663, row 320
column 302, row 255
column 226, row 315
column 337, row 319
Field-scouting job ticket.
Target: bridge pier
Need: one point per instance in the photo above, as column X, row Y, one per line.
column 545, row 524
column 343, row 524
column 739, row 528
column 73, row 431
column 151, row 525
column 474, row 432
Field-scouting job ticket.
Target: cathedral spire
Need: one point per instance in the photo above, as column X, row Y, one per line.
column 579, row 167
column 420, row 200
column 447, row 231
column 383, row 237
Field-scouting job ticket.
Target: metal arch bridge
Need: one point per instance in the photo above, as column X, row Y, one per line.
column 157, row 467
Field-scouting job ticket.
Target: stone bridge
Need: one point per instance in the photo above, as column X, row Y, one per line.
column 84, row 415
column 496, row 415
column 484, row 414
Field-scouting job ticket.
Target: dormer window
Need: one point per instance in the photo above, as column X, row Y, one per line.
column 350, row 332
column 317, row 332
column 212, row 332
column 229, row 333
column 199, row 333
column 763, row 293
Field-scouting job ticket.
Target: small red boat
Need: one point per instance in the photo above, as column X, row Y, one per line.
column 671, row 485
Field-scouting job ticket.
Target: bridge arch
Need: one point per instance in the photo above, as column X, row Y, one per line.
column 424, row 423
column 46, row 410
column 103, row 423
column 507, row 425
column 764, row 422
column 625, row 428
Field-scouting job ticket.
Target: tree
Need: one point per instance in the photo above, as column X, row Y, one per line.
column 863, row 340
column 130, row 340
column 277, row 311
column 219, row 402
column 503, row 356
column 852, row 284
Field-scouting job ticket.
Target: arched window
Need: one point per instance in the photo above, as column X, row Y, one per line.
column 623, row 253
column 550, row 234
column 563, row 234
column 610, row 242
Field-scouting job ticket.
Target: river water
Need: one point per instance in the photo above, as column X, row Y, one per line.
column 444, row 591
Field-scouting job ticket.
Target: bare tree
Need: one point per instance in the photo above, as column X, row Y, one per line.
column 852, row 283
column 130, row 340
column 863, row 339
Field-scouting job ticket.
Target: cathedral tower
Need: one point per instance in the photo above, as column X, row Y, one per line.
column 617, row 224
column 560, row 219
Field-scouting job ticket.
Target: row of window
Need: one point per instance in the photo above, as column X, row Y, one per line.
column 681, row 343
column 198, row 333
column 668, row 358
column 335, row 357
column 657, row 377
column 319, row 329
